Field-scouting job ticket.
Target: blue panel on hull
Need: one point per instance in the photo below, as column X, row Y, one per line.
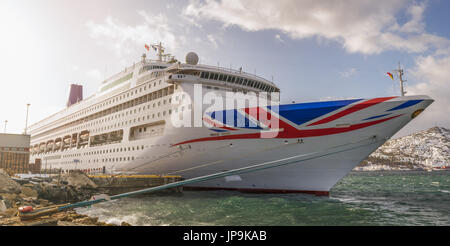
column 406, row 104
column 217, row 130
column 304, row 112
column 378, row 116
column 234, row 119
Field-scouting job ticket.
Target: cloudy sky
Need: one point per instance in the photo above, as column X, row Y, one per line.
column 315, row 50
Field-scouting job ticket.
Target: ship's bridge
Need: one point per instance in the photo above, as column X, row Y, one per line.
column 217, row 76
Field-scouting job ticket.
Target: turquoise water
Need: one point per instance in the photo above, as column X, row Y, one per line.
column 361, row 198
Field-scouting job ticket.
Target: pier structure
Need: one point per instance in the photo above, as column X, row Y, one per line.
column 14, row 152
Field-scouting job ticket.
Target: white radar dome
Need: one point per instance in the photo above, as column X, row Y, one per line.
column 192, row 58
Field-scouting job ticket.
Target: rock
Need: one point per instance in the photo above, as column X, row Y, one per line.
column 7, row 185
column 125, row 224
column 29, row 185
column 43, row 202
column 28, row 192
column 2, row 206
column 10, row 212
column 78, row 179
column 86, row 221
column 51, row 193
column 10, row 199
column 43, row 222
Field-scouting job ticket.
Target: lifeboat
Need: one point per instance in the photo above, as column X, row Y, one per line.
column 66, row 140
column 36, row 148
column 49, row 145
column 84, row 136
column 41, row 147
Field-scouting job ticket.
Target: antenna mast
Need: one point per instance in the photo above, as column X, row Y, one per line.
column 160, row 50
column 400, row 77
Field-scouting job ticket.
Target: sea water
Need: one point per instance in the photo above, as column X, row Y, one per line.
column 361, row 198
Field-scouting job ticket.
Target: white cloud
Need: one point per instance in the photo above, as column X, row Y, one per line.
column 95, row 75
column 362, row 26
column 124, row 39
column 278, row 37
column 213, row 41
column 348, row 73
column 433, row 73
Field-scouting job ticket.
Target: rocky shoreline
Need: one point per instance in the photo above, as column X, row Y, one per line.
column 39, row 193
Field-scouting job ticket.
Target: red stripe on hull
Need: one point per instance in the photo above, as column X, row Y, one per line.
column 291, row 132
column 266, row 191
column 214, row 124
column 352, row 109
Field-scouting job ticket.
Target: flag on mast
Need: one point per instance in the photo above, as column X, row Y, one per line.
column 390, row 75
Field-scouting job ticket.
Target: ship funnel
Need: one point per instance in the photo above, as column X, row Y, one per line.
column 75, row 94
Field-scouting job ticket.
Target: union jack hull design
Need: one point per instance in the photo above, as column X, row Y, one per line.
column 314, row 145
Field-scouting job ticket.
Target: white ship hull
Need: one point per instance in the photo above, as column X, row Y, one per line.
column 315, row 146
column 313, row 165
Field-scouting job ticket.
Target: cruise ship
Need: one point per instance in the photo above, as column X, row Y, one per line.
column 146, row 120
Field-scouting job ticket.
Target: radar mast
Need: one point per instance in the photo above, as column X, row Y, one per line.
column 400, row 77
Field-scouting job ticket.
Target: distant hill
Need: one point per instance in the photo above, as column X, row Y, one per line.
column 428, row 149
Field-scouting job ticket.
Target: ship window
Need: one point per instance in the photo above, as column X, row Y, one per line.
column 221, row 77
column 216, row 76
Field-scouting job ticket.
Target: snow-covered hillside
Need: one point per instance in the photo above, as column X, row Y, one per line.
column 426, row 149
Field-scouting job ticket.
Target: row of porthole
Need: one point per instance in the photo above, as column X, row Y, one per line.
column 118, row 115
column 111, row 101
column 117, row 159
column 169, row 90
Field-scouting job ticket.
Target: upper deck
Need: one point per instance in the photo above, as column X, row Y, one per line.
column 148, row 69
column 220, row 76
